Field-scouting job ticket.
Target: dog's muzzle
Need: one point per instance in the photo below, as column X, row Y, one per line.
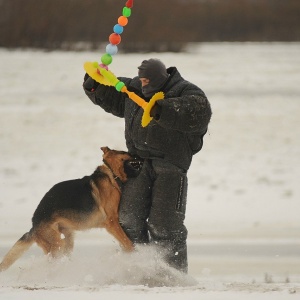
column 133, row 167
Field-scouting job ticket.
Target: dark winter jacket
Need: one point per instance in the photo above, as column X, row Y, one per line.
column 177, row 135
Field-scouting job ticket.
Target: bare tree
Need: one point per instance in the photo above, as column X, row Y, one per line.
column 156, row 25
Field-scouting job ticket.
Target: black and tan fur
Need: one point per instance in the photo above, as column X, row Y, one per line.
column 80, row 204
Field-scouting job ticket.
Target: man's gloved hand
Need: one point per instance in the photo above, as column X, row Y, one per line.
column 89, row 83
column 156, row 111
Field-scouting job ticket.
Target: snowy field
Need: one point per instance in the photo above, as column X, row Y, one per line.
column 244, row 193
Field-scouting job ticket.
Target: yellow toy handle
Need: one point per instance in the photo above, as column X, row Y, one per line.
column 146, row 119
column 133, row 96
column 106, row 77
column 111, row 77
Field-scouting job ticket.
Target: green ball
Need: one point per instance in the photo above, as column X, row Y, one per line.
column 106, row 59
column 126, row 12
column 119, row 86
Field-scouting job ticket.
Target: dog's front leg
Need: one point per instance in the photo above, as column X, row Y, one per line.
column 114, row 228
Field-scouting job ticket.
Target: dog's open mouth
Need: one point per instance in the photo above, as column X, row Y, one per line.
column 137, row 163
column 133, row 167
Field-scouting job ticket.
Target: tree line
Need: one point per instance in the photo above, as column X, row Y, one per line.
column 156, row 25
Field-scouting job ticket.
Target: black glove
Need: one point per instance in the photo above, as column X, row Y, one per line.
column 89, row 83
column 156, row 111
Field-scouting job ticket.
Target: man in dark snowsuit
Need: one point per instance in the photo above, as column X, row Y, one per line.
column 153, row 205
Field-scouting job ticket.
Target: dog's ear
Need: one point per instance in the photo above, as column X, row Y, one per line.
column 133, row 167
column 105, row 149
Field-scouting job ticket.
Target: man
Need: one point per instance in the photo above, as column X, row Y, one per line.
column 153, row 205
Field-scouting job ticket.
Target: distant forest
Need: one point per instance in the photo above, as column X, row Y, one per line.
column 155, row 25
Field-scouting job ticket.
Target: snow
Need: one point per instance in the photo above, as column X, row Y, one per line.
column 243, row 200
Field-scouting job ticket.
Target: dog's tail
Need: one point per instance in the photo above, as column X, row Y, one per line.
column 17, row 250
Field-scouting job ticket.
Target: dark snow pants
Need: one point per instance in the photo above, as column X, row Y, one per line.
column 152, row 209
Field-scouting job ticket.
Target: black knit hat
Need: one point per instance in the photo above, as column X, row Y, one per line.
column 156, row 72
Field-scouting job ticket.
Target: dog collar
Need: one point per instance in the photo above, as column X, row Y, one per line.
column 115, row 177
column 118, row 181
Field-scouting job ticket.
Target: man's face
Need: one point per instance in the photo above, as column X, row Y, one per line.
column 144, row 81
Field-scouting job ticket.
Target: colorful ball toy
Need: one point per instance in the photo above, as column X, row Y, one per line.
column 115, row 38
column 103, row 75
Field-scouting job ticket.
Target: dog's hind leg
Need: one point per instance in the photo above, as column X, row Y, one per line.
column 48, row 237
column 67, row 236
column 17, row 250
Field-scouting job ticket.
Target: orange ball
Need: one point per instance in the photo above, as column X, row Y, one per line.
column 123, row 21
column 115, row 39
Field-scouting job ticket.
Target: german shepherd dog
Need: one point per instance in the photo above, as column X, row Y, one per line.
column 80, row 204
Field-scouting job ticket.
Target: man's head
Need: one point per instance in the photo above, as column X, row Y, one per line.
column 153, row 75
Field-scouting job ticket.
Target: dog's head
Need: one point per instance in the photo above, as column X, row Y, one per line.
column 121, row 163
